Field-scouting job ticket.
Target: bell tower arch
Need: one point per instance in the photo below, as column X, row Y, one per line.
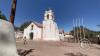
column 49, row 15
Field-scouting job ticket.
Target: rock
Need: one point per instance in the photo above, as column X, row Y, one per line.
column 7, row 39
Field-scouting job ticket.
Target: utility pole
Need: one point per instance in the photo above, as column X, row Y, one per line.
column 13, row 11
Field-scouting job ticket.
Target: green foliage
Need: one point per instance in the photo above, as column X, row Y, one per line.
column 16, row 28
column 24, row 25
column 2, row 16
column 89, row 34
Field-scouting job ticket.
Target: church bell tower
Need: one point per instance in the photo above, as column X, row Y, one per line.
column 50, row 28
column 49, row 15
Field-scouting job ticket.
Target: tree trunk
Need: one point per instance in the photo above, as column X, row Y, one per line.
column 13, row 10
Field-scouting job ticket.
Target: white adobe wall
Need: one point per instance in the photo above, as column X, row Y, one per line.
column 36, row 30
column 50, row 31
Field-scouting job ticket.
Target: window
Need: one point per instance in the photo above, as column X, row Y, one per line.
column 48, row 16
column 31, row 27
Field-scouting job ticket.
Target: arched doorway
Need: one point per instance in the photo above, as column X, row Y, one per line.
column 31, row 36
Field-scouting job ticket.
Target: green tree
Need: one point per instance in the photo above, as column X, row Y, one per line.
column 24, row 25
column 89, row 34
column 2, row 16
column 77, row 31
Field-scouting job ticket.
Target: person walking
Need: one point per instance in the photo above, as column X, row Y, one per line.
column 25, row 42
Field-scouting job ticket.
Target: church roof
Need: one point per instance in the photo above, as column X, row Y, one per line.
column 38, row 24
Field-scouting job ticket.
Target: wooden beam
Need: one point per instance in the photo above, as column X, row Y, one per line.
column 13, row 11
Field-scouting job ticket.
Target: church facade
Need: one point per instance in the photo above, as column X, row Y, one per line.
column 48, row 30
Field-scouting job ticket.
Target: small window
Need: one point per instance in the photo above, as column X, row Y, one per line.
column 31, row 27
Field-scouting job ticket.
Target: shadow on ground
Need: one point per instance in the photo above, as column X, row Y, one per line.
column 72, row 54
column 22, row 52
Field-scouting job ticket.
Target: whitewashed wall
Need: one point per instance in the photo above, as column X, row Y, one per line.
column 50, row 30
column 36, row 30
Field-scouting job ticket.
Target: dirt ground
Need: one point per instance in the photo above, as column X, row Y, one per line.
column 49, row 48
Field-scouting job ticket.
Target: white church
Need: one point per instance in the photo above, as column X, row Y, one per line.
column 48, row 30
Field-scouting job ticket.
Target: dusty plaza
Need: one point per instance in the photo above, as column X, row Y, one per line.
column 48, row 48
column 49, row 27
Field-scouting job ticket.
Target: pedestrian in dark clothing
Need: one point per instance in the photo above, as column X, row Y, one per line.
column 25, row 42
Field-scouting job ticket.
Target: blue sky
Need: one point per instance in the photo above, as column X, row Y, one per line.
column 64, row 10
